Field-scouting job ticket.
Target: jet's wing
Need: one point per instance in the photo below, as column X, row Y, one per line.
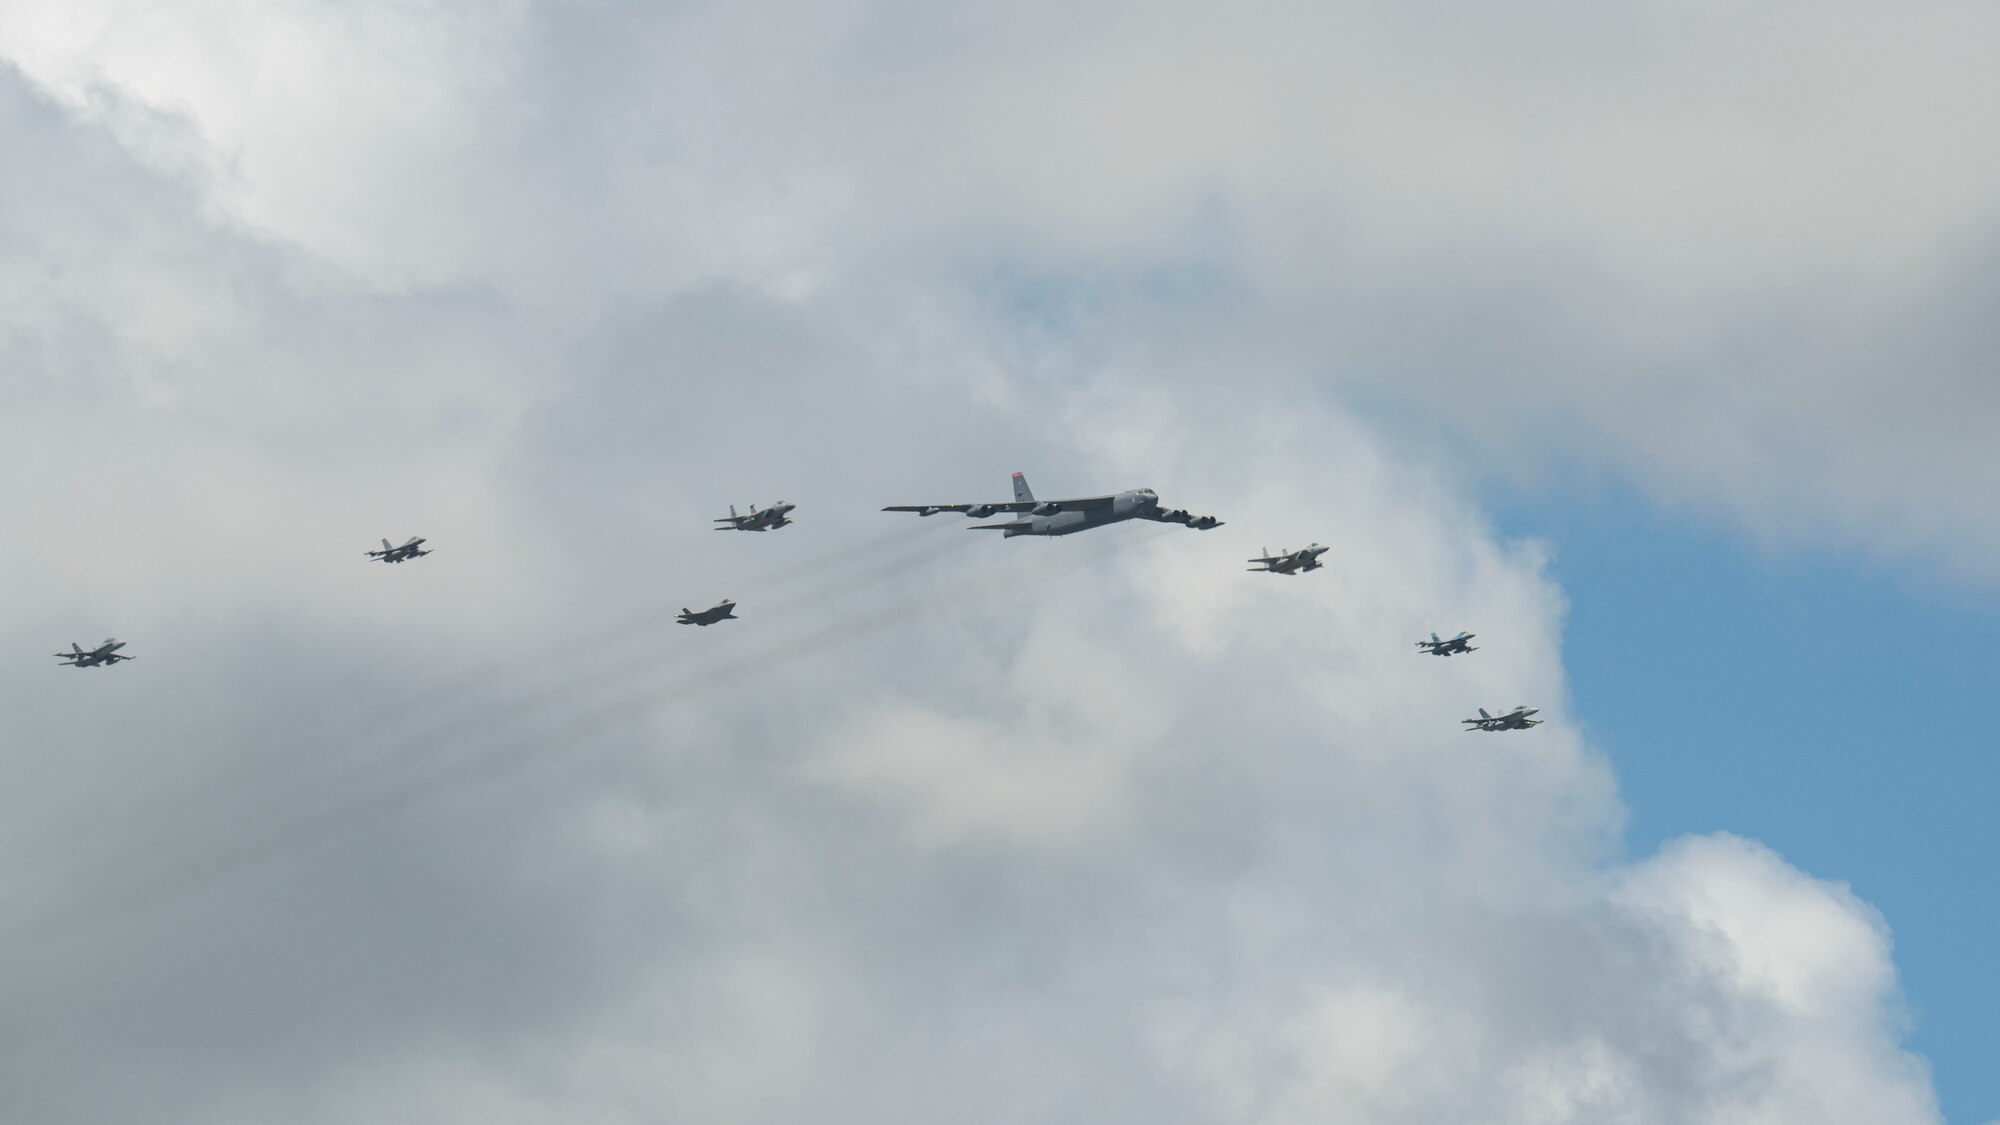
column 1011, row 525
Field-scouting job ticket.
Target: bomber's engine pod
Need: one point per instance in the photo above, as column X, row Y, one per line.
column 979, row 511
column 1045, row 509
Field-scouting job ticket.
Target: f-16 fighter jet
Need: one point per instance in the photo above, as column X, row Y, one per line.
column 726, row 611
column 106, row 654
column 410, row 550
column 1293, row 562
column 1064, row 517
column 773, row 516
column 1446, row 648
column 1517, row 719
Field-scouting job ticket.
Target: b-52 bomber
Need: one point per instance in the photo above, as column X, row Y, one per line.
column 1065, row 517
column 1517, row 719
column 772, row 517
column 411, row 550
column 1446, row 648
column 105, row 654
column 1290, row 562
column 725, row 611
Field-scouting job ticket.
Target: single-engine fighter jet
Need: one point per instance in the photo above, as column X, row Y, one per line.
column 1517, row 719
column 106, row 654
column 1290, row 562
column 410, row 550
column 726, row 611
column 1446, row 648
column 771, row 517
column 1064, row 517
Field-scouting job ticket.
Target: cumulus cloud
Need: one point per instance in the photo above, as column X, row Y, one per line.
column 1094, row 829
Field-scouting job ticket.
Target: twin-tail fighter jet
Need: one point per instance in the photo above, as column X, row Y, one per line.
column 411, row 550
column 775, row 516
column 1517, row 719
column 1065, row 517
column 1290, row 562
column 1447, row 648
column 106, row 654
column 725, row 611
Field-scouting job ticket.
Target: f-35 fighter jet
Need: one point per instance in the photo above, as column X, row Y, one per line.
column 105, row 654
column 771, row 517
column 1517, row 719
column 410, row 550
column 1446, row 648
column 1065, row 517
column 726, row 611
column 1290, row 562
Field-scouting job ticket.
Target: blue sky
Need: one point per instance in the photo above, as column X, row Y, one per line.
column 1810, row 700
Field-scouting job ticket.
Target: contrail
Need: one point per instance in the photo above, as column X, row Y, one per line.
column 509, row 689
column 171, row 867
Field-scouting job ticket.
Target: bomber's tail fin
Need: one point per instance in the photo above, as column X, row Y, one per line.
column 386, row 546
column 1022, row 494
column 1483, row 714
column 76, row 648
column 1434, row 639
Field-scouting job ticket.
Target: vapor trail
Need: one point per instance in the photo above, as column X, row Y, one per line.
column 173, row 867
column 511, row 688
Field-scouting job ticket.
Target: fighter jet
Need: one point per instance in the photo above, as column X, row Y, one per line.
column 408, row 550
column 1293, row 562
column 726, row 611
column 1065, row 517
column 1517, row 719
column 771, row 517
column 106, row 654
column 1446, row 648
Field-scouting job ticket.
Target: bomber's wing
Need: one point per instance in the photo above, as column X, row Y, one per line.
column 1046, row 507
column 1180, row 516
column 934, row 509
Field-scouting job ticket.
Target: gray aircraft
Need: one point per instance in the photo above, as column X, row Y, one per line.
column 1065, row 517
column 1290, row 562
column 411, row 550
column 726, row 611
column 106, row 654
column 1517, row 719
column 774, row 516
column 1446, row 648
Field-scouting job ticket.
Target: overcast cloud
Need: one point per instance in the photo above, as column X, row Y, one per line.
column 1083, row 830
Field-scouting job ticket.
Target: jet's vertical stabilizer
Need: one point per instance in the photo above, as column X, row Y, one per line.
column 1022, row 494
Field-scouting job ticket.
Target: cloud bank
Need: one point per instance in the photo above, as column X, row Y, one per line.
column 1095, row 829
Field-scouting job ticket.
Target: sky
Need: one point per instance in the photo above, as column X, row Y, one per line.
column 1650, row 343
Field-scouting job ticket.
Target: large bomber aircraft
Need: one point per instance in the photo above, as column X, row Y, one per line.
column 724, row 611
column 1065, row 517
column 1446, row 648
column 411, row 550
column 772, row 517
column 1290, row 562
column 105, row 654
column 1517, row 719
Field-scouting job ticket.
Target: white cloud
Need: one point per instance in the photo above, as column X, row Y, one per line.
column 1098, row 829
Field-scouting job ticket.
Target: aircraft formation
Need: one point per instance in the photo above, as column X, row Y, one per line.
column 1029, row 516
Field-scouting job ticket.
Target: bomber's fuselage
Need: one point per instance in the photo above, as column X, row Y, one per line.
column 1123, row 506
